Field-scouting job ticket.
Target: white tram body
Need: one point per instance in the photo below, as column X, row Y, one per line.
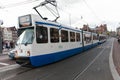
column 42, row 42
column 102, row 38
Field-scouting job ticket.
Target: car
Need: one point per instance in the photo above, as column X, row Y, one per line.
column 11, row 54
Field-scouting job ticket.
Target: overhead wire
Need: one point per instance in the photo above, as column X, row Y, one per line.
column 63, row 10
column 92, row 11
column 55, row 13
column 52, row 11
column 17, row 4
column 30, row 1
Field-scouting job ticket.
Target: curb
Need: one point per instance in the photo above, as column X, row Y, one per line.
column 112, row 66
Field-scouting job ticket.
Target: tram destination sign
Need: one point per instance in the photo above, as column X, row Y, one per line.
column 25, row 21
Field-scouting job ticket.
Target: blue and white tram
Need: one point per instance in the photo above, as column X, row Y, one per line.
column 42, row 42
column 102, row 38
column 90, row 40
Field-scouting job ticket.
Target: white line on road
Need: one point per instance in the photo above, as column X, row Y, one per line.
column 10, row 67
column 89, row 64
column 5, row 64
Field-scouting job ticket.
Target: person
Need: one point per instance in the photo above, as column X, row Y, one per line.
column 8, row 45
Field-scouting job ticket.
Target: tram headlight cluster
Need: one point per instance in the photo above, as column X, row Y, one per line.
column 16, row 53
column 28, row 53
column 22, row 53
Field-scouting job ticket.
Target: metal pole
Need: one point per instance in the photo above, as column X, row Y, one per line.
column 82, row 40
column 1, row 45
column 38, row 12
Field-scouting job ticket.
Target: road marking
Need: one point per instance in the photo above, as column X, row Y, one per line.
column 89, row 65
column 104, row 47
column 5, row 64
column 10, row 67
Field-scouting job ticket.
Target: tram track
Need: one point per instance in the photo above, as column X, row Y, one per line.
column 27, row 70
column 74, row 68
column 81, row 73
column 23, row 70
column 94, row 66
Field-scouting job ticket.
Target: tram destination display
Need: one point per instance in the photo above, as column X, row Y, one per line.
column 25, row 21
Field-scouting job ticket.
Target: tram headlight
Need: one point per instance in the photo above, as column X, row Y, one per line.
column 16, row 53
column 28, row 53
column 21, row 51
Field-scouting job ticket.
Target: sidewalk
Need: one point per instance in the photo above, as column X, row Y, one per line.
column 116, row 55
column 5, row 51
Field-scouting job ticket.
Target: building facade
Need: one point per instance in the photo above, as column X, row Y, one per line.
column 9, row 36
column 86, row 27
column 102, row 29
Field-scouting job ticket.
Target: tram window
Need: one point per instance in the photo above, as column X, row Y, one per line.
column 64, row 36
column 102, row 38
column 41, row 34
column 54, row 35
column 72, row 36
column 87, row 38
column 77, row 37
column 95, row 37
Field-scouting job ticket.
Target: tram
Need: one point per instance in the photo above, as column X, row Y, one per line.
column 102, row 38
column 43, row 42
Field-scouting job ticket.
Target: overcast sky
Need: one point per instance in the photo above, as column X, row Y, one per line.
column 74, row 12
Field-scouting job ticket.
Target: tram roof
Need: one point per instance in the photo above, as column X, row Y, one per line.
column 56, row 24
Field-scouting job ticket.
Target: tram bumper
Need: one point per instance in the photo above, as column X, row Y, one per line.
column 23, row 61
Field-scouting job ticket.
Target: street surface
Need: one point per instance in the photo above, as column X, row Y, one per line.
column 5, row 61
column 89, row 65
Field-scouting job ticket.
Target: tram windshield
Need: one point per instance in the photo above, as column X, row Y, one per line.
column 26, row 37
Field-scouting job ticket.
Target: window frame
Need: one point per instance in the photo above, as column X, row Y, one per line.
column 88, row 39
column 72, row 36
column 64, row 35
column 78, row 39
column 43, row 38
column 53, row 37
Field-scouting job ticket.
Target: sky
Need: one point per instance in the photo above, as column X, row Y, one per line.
column 72, row 12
